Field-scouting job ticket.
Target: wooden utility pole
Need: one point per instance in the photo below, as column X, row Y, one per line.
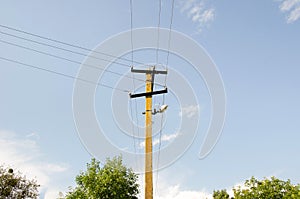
column 148, row 141
column 150, row 73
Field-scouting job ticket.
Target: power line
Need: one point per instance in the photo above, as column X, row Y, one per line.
column 61, row 74
column 131, row 27
column 67, row 44
column 167, row 63
column 131, row 112
column 158, row 35
column 170, row 31
column 158, row 30
column 72, row 61
column 69, row 60
column 133, row 80
column 157, row 48
column 63, row 49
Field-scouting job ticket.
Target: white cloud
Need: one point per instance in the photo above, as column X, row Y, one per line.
column 186, row 5
column 53, row 193
column 164, row 138
column 189, row 111
column 55, row 168
column 208, row 15
column 198, row 11
column 23, row 154
column 165, row 190
column 286, row 5
column 33, row 135
column 292, row 8
column 174, row 192
column 294, row 15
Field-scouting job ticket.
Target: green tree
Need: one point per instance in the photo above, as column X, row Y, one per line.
column 14, row 185
column 112, row 181
column 267, row 188
column 222, row 194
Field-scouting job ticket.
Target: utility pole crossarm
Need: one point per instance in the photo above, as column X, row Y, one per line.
column 149, row 71
column 148, row 93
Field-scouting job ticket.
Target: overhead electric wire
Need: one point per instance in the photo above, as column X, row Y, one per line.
column 167, row 63
column 70, row 60
column 67, row 44
column 63, row 49
column 131, row 34
column 170, row 31
column 131, row 112
column 61, row 74
column 157, row 58
column 158, row 31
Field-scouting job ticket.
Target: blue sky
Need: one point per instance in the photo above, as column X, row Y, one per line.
column 255, row 45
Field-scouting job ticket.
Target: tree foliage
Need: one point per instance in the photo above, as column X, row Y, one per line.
column 267, row 188
column 261, row 189
column 14, row 185
column 221, row 194
column 112, row 181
